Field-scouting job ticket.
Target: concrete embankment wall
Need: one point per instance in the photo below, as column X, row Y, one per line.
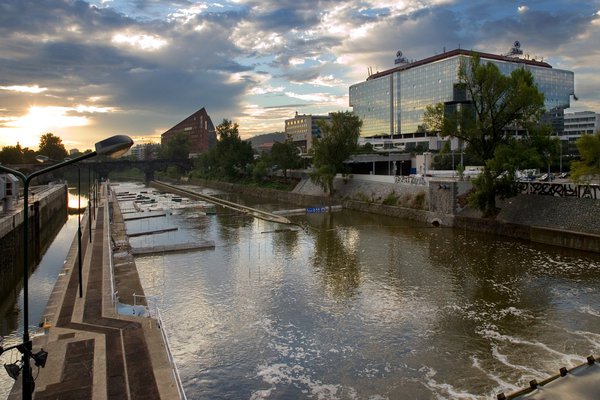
column 306, row 200
column 47, row 214
column 559, row 221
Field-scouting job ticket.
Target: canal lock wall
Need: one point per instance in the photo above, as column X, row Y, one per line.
column 558, row 221
column 47, row 215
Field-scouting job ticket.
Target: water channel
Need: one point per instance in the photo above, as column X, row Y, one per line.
column 361, row 306
column 41, row 284
column 351, row 305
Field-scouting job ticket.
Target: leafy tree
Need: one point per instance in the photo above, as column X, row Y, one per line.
column 285, row 156
column 259, row 171
column 338, row 142
column 233, row 154
column 11, row 155
column 29, row 156
column 51, row 146
column 230, row 157
column 497, row 103
column 588, row 166
column 178, row 148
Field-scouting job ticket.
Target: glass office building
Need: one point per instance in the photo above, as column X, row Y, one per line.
column 392, row 103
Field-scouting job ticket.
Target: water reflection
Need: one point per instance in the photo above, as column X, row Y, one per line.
column 335, row 256
column 363, row 306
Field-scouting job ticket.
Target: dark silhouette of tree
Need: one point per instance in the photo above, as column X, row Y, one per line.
column 178, row 147
column 11, row 155
column 229, row 159
column 285, row 156
column 51, row 146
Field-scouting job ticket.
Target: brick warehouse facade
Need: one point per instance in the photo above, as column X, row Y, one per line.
column 199, row 128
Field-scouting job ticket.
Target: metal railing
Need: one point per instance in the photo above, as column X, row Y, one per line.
column 174, row 368
column 154, row 312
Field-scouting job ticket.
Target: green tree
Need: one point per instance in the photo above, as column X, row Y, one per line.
column 588, row 166
column 178, row 148
column 51, row 146
column 339, row 140
column 498, row 103
column 233, row 154
column 285, row 156
column 229, row 159
column 11, row 155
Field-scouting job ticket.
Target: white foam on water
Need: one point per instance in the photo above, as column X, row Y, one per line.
column 502, row 384
column 444, row 390
column 490, row 334
column 296, row 375
column 591, row 337
column 589, row 310
column 504, row 360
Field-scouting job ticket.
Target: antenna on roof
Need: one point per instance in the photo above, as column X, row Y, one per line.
column 515, row 51
column 400, row 59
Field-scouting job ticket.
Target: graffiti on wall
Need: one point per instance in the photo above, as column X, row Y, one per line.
column 560, row 189
column 411, row 180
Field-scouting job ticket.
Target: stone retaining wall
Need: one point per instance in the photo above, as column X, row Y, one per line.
column 566, row 222
column 47, row 214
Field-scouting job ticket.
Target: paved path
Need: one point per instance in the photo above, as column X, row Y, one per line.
column 95, row 353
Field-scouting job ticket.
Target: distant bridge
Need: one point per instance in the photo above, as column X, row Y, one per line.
column 103, row 167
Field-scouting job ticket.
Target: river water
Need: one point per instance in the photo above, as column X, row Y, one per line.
column 41, row 284
column 361, row 306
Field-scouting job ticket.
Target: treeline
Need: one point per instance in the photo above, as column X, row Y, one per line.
column 50, row 146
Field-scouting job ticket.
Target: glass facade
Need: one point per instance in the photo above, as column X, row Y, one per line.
column 395, row 102
column 372, row 101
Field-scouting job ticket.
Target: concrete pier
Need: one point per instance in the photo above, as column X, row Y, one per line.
column 93, row 352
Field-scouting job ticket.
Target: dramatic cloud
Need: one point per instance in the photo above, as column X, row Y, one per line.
column 88, row 69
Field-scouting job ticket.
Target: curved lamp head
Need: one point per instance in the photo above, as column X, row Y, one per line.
column 41, row 158
column 114, row 146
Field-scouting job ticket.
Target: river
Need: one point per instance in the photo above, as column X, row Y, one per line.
column 361, row 306
column 41, row 284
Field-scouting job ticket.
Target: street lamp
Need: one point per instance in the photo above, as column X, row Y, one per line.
column 114, row 146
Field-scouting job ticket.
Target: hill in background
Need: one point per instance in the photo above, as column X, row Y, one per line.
column 259, row 140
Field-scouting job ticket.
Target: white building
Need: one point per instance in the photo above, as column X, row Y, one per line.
column 303, row 129
column 9, row 192
column 580, row 123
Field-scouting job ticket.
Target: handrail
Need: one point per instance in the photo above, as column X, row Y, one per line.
column 110, row 256
column 174, row 368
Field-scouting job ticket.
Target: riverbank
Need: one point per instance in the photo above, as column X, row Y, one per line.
column 560, row 221
column 47, row 214
column 93, row 351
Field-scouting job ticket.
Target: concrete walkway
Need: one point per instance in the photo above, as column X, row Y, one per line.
column 94, row 353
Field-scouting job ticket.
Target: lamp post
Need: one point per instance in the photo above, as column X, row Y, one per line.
column 43, row 158
column 89, row 205
column 114, row 146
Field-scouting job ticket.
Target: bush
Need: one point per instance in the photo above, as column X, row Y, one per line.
column 391, row 199
column 419, row 202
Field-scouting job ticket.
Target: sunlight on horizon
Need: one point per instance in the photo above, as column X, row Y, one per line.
column 27, row 129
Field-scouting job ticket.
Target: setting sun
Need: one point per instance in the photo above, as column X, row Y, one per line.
column 26, row 129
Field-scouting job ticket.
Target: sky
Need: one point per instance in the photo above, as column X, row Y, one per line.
column 87, row 70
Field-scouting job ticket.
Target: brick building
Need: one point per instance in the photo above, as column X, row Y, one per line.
column 199, row 128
